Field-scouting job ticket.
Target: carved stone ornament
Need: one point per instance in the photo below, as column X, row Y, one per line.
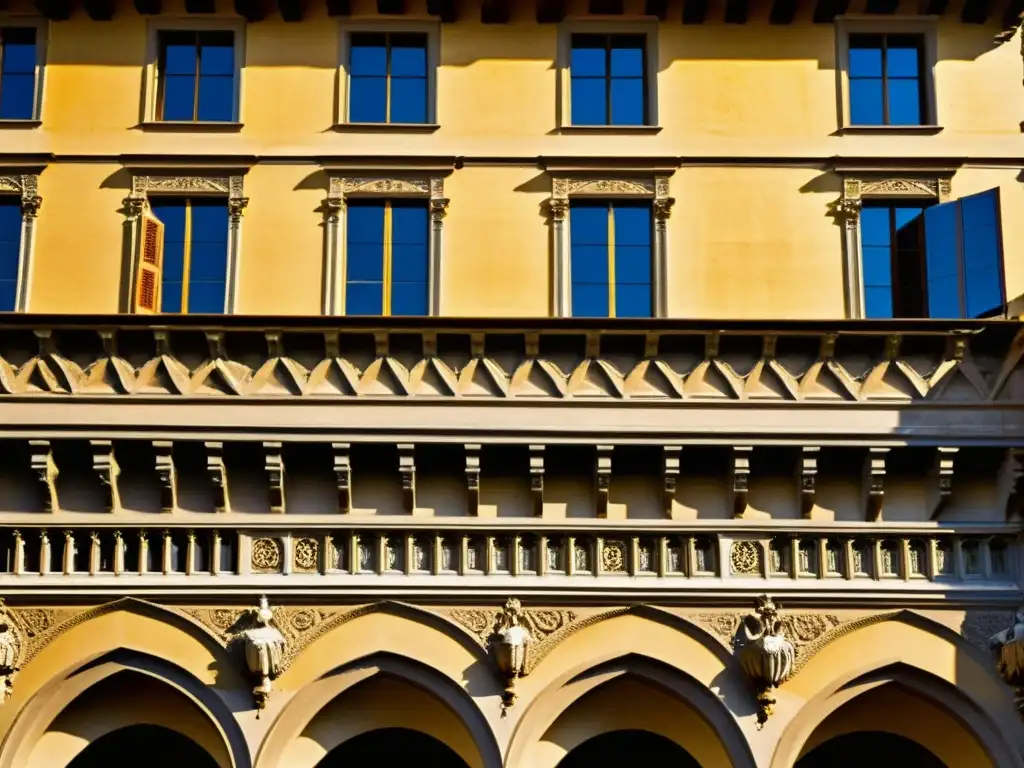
column 306, row 554
column 27, row 186
column 510, row 644
column 613, row 557
column 1008, row 648
column 765, row 654
column 266, row 555
column 10, row 652
column 143, row 186
column 264, row 651
column 745, row 558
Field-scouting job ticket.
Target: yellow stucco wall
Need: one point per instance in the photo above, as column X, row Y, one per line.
column 746, row 239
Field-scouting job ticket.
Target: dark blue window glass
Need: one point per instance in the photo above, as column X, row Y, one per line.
column 197, row 76
column 610, row 259
column 195, row 253
column 892, row 249
column 364, row 262
column 10, row 251
column 982, row 253
column 388, row 80
column 876, row 248
column 886, row 80
column 410, row 257
column 17, row 73
column 608, row 80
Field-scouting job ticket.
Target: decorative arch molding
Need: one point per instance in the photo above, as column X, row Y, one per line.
column 49, row 701
column 314, row 697
column 990, row 733
column 38, row 627
column 548, row 705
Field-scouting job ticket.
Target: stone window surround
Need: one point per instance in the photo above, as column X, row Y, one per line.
column 425, row 186
column 887, row 25
column 431, row 29
column 189, row 185
column 857, row 188
column 26, row 185
column 151, row 74
column 653, row 187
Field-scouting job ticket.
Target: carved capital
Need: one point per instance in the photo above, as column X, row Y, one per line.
column 235, row 207
column 663, row 208
column 438, row 209
column 334, row 207
column 558, row 207
column 30, row 205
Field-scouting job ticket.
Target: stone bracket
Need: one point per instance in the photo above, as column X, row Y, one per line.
column 273, row 462
column 942, row 479
column 672, row 454
column 342, row 475
column 45, row 469
column 217, row 471
column 407, row 471
column 604, row 478
column 163, row 451
column 874, row 483
column 537, row 478
column 104, row 464
column 473, row 477
column 808, row 479
column 740, row 478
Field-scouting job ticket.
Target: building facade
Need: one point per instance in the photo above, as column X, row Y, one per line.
column 511, row 385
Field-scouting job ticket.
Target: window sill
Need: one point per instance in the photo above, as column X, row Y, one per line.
column 624, row 130
column 890, row 130
column 18, row 123
column 208, row 126
column 385, row 127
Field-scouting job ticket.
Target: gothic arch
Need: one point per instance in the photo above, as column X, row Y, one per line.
column 318, row 696
column 547, row 706
column 996, row 731
column 206, row 719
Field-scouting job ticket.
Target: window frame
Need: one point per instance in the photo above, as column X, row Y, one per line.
column 647, row 29
column 42, row 28
column 926, row 28
column 150, row 113
column 652, row 187
column 25, row 186
column 190, row 186
column 431, row 29
column 429, row 187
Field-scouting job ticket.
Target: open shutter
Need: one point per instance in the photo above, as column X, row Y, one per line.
column 982, row 253
column 942, row 259
column 150, row 261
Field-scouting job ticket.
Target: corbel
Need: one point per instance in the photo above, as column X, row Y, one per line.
column 740, row 478
column 874, row 472
column 45, row 468
column 942, row 479
column 407, row 471
column 217, row 471
column 604, row 478
column 711, row 345
column 343, row 475
column 163, row 452
column 1010, row 481
column 671, row 477
column 537, row 478
column 273, row 462
column 473, row 477
column 105, row 466
column 808, row 479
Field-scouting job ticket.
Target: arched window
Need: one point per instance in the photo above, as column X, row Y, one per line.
column 618, row 748
column 153, row 745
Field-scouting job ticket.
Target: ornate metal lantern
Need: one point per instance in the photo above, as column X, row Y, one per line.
column 9, row 653
column 510, row 643
column 1008, row 648
column 264, row 648
column 765, row 654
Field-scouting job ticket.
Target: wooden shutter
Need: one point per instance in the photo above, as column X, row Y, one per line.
column 150, row 264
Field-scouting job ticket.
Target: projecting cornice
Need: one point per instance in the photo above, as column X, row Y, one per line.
column 841, row 362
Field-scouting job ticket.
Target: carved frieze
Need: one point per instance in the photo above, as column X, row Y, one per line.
column 266, row 555
column 746, row 558
column 307, row 554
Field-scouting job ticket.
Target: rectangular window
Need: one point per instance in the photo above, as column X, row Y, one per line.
column 18, row 73
column 938, row 261
column 387, row 257
column 195, row 253
column 608, row 80
column 10, row 251
column 887, row 84
column 611, row 258
column 388, row 80
column 196, row 77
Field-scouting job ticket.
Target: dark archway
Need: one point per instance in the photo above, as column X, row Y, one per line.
column 392, row 748
column 151, row 745
column 860, row 748
column 617, row 748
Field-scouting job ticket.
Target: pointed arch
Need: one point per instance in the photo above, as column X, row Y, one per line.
column 565, row 692
column 220, row 732
column 318, row 696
